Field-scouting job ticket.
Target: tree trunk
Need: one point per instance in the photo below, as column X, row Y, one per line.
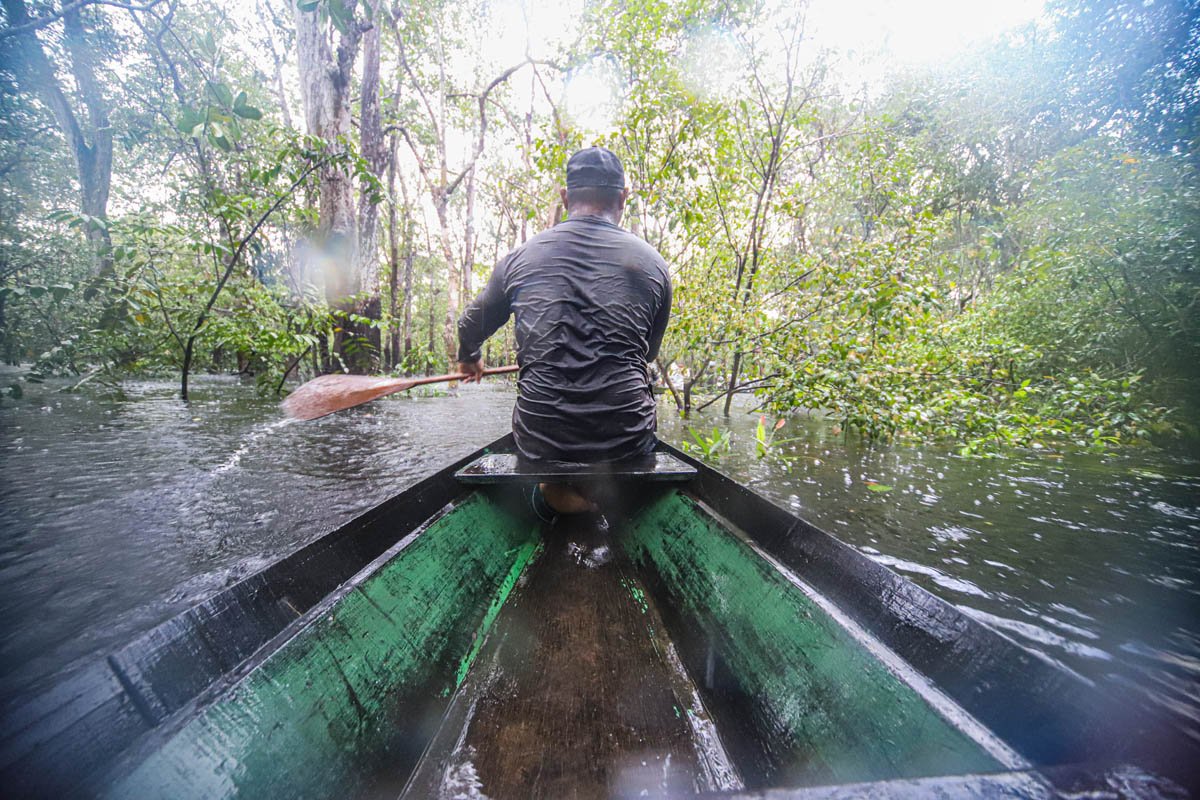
column 374, row 150
column 325, row 75
column 468, row 262
column 407, row 330
column 410, row 234
column 433, row 293
column 733, row 376
column 393, row 343
column 268, row 19
column 453, row 283
column 393, row 331
column 90, row 140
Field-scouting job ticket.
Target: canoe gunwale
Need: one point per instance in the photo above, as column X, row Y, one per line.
column 163, row 732
column 1053, row 783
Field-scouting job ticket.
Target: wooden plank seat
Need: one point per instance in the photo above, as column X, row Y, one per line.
column 495, row 468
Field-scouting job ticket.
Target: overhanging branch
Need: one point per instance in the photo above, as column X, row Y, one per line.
column 37, row 23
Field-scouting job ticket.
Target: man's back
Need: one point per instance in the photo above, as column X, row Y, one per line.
column 591, row 303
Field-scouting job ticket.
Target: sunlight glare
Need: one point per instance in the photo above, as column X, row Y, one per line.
column 537, row 28
column 711, row 66
column 591, row 97
column 915, row 32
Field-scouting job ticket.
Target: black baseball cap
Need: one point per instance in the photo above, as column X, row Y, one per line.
column 595, row 166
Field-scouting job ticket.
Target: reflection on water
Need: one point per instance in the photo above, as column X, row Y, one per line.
column 117, row 513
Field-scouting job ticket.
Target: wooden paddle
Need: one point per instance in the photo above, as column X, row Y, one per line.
column 331, row 393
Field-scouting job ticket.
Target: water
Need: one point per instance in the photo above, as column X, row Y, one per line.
column 116, row 513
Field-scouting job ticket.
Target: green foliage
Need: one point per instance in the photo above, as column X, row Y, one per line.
column 1000, row 252
column 1132, row 66
column 959, row 268
column 764, row 437
column 708, row 446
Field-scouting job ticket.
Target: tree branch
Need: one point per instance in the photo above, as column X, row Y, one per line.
column 37, row 23
column 741, row 387
column 481, row 142
column 232, row 264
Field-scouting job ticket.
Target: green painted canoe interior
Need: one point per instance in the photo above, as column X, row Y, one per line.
column 713, row 656
column 357, row 694
column 814, row 705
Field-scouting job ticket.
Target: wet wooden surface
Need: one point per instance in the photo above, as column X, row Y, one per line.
column 510, row 468
column 575, row 696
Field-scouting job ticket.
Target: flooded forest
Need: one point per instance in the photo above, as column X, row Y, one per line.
column 935, row 269
column 993, row 244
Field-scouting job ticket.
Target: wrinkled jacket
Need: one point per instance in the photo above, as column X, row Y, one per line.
column 591, row 302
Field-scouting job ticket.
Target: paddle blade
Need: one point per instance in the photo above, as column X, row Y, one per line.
column 330, row 393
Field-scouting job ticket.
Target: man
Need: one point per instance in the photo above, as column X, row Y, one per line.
column 591, row 302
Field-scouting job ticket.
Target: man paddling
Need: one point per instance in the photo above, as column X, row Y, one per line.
column 591, row 302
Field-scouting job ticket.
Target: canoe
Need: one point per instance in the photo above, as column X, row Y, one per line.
column 448, row 643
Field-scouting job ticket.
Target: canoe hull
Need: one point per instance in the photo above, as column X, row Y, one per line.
column 775, row 655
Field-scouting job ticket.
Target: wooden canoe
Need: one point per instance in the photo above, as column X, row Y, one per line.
column 448, row 644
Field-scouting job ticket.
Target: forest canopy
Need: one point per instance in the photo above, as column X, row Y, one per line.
column 998, row 248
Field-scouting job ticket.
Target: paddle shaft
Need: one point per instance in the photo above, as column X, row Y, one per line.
column 459, row 376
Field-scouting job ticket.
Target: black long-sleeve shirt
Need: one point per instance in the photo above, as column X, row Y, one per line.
column 591, row 302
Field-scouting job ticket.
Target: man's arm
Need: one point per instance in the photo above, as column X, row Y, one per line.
column 660, row 322
column 483, row 317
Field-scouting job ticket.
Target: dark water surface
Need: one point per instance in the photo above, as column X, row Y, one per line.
column 116, row 514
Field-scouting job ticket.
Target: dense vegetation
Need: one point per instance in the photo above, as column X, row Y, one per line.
column 1004, row 250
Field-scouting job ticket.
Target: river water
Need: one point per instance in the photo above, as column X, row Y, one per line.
column 118, row 511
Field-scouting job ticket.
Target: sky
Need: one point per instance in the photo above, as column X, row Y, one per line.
column 914, row 32
column 873, row 38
